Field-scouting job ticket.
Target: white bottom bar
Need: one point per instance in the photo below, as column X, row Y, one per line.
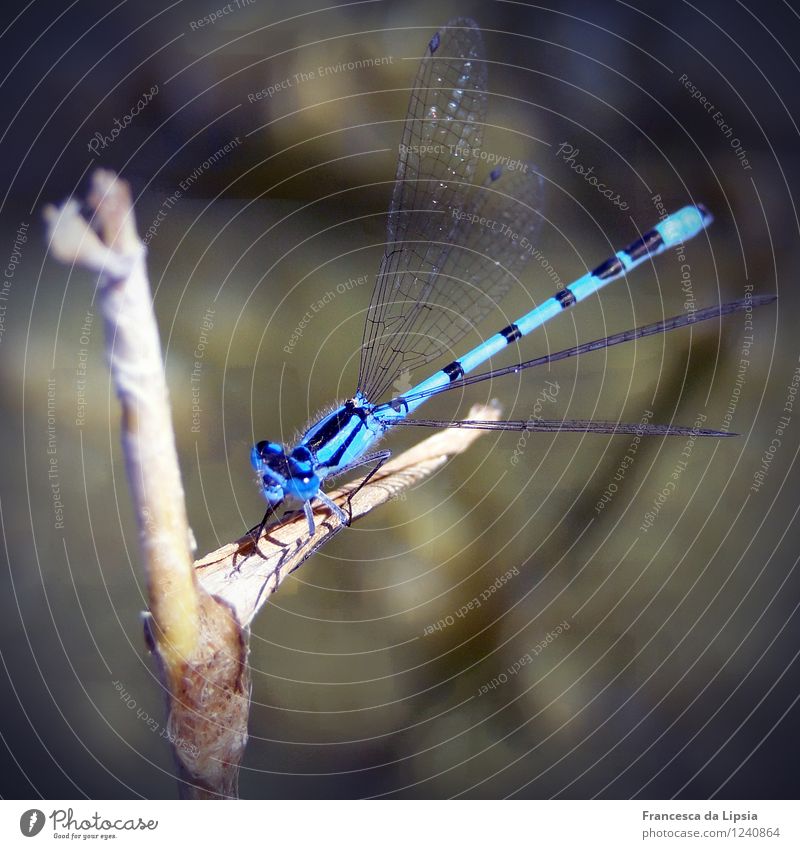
column 388, row 824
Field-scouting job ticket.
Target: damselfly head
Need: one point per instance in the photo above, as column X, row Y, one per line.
column 272, row 465
column 302, row 482
column 265, row 453
column 283, row 476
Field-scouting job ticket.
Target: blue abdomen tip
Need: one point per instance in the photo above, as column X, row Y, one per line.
column 708, row 218
column 684, row 224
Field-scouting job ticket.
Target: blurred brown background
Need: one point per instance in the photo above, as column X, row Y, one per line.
column 677, row 674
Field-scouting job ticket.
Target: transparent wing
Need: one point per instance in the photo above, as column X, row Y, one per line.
column 446, row 115
column 656, row 328
column 570, row 426
column 585, row 425
column 452, row 250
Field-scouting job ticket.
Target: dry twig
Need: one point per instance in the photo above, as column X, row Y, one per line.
column 199, row 612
